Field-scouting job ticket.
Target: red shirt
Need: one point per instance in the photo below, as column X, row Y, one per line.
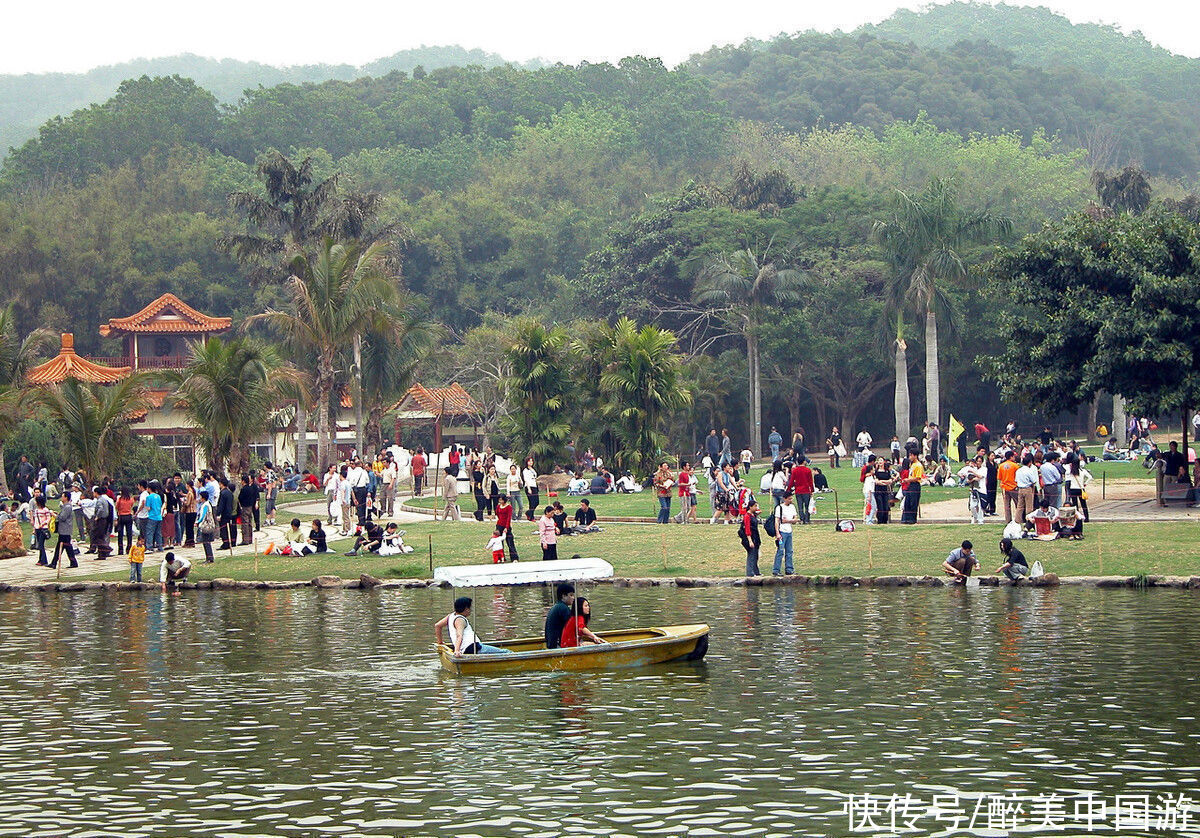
column 801, row 481
column 504, row 516
column 570, row 632
column 418, row 464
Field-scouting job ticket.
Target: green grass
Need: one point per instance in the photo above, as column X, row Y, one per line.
column 652, row 550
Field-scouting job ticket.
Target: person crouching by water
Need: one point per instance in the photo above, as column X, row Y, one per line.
column 559, row 614
column 1015, row 565
column 462, row 637
column 173, row 571
column 576, row 627
column 751, row 539
column 960, row 563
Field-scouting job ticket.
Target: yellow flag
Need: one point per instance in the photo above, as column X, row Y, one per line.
column 956, row 430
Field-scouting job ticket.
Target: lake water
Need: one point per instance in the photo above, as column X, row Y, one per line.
column 289, row 713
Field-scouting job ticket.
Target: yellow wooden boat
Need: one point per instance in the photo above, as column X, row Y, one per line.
column 624, row 648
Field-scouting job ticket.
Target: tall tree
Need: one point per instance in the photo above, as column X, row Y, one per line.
column 294, row 214
column 390, row 357
column 17, row 357
column 229, row 391
column 536, row 390
column 644, row 384
column 337, row 295
column 94, row 419
column 924, row 239
column 740, row 288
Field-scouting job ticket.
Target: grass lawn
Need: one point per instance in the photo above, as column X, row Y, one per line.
column 844, row 481
column 652, row 550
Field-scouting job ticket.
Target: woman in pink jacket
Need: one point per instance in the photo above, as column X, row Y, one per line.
column 548, row 535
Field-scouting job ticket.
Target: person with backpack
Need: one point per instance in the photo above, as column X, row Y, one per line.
column 780, row 527
column 751, row 540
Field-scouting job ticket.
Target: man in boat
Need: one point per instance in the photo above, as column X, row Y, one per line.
column 462, row 637
column 559, row 614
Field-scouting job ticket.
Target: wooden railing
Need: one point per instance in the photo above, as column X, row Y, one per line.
column 167, row 362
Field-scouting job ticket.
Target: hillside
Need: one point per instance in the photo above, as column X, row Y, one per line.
column 1038, row 37
column 26, row 101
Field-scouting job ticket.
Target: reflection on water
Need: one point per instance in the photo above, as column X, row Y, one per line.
column 305, row 713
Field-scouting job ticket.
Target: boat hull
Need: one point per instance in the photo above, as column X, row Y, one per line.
column 625, row 649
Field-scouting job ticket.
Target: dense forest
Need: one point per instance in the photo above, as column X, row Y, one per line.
column 26, row 101
column 599, row 191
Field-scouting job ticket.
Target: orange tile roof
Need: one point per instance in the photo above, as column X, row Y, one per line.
column 69, row 365
column 456, row 400
column 166, row 314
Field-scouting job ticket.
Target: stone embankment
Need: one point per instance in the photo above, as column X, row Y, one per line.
column 1050, row 580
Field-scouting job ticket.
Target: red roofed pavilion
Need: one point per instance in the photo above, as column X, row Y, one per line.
column 444, row 407
column 69, row 365
column 156, row 337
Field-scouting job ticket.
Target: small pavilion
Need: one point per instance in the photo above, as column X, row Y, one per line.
column 156, row 337
column 454, row 414
column 69, row 365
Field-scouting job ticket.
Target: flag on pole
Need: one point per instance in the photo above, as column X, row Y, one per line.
column 956, row 431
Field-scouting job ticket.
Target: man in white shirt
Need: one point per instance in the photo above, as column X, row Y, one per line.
column 174, row 569
column 359, row 481
column 1027, row 485
column 387, row 492
column 974, row 477
column 786, row 516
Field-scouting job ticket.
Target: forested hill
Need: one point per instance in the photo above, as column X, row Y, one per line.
column 968, row 86
column 26, row 101
column 1041, row 38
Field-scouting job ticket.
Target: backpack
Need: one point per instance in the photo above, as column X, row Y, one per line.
column 770, row 526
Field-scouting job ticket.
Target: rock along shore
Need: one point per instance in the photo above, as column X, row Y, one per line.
column 366, row 581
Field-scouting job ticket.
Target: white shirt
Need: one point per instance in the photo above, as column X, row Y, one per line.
column 389, row 474
column 787, row 515
column 529, row 478
column 779, row 481
column 357, row 477
column 1027, row 476
column 175, row 566
column 747, row 455
column 864, row 440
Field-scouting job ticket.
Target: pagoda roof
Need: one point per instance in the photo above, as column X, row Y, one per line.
column 69, row 365
column 166, row 315
column 456, row 401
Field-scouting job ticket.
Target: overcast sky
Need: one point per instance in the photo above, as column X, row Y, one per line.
column 72, row 36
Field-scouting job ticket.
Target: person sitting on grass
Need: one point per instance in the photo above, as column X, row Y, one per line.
column 1046, row 521
column 1070, row 523
column 1015, row 565
column 369, row 540
column 463, row 640
column 172, row 571
column 296, row 538
column 820, row 481
column 393, row 541
column 316, row 542
column 585, row 518
column 960, row 563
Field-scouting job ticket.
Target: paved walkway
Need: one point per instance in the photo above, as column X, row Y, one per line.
column 24, row 569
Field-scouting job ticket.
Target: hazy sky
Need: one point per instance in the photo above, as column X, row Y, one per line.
column 72, row 36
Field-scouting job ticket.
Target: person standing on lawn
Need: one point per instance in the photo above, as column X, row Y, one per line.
column 548, row 535
column 504, row 518
column 800, row 484
column 785, row 518
column 751, row 540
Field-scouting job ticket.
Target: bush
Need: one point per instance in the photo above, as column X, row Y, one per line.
column 143, row 460
column 38, row 440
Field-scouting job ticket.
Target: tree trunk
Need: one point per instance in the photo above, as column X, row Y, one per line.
column 3, row 474
column 359, row 431
column 933, row 393
column 301, row 437
column 1119, row 419
column 849, row 420
column 822, row 429
column 903, row 413
column 374, row 430
column 1093, row 417
column 755, row 443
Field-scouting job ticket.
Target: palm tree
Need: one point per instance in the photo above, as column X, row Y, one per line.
column 644, row 383
column 742, row 286
column 17, row 356
column 337, row 297
column 389, row 360
column 535, row 390
column 229, row 391
column 924, row 239
column 94, row 419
